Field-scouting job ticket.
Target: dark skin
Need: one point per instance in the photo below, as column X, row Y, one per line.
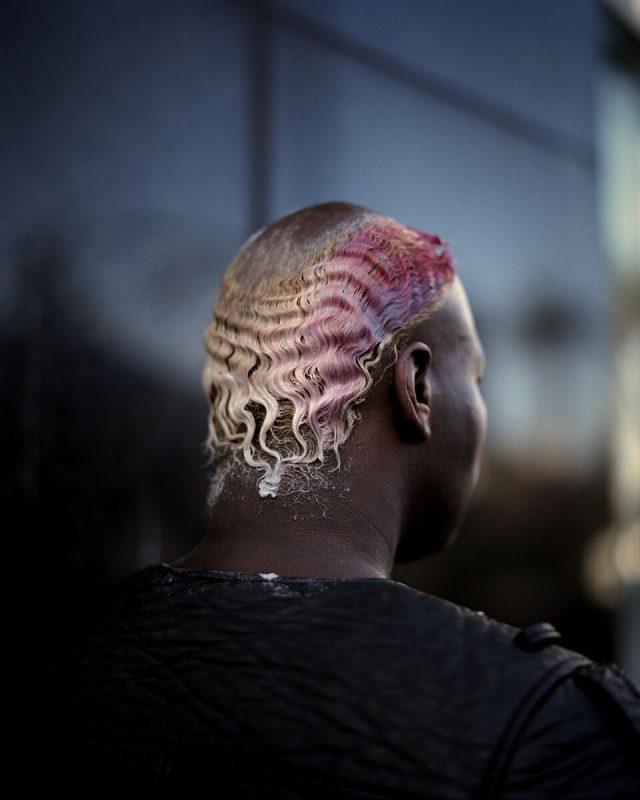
column 408, row 471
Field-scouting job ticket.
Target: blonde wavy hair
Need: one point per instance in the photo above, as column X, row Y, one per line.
column 303, row 315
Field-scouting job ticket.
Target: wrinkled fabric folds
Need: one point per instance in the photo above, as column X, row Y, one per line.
column 197, row 683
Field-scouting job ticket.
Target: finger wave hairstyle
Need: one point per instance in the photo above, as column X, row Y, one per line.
column 303, row 315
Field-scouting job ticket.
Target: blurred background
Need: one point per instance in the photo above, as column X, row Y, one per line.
column 143, row 141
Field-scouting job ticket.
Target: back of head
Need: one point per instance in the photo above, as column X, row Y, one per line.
column 305, row 312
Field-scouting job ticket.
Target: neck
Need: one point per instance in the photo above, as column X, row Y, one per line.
column 345, row 532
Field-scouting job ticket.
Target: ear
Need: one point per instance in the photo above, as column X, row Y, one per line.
column 412, row 387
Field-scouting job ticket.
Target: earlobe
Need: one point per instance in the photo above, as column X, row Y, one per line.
column 412, row 387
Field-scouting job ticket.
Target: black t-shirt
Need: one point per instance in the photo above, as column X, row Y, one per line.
column 197, row 683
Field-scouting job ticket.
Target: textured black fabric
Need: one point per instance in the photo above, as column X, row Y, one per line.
column 196, row 683
column 574, row 747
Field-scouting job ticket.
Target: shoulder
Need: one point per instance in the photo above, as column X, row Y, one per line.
column 555, row 722
column 537, row 649
column 528, row 663
column 582, row 739
column 483, row 639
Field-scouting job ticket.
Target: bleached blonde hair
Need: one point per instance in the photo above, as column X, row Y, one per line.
column 303, row 315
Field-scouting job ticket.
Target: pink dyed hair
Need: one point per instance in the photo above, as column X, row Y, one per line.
column 290, row 355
